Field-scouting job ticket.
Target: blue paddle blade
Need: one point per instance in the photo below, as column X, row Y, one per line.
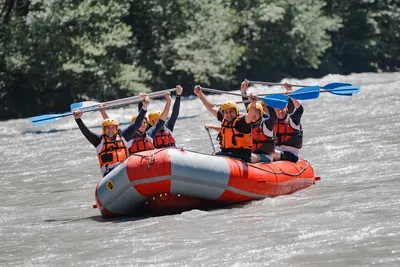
column 83, row 104
column 46, row 119
column 334, row 85
column 345, row 90
column 276, row 100
column 76, row 105
column 306, row 93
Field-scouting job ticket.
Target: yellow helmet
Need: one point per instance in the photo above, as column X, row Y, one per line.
column 230, row 104
column 153, row 116
column 109, row 122
column 259, row 107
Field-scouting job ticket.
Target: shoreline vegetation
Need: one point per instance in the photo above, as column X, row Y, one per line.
column 57, row 52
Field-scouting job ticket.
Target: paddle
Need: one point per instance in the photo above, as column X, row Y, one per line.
column 310, row 92
column 306, row 93
column 303, row 95
column 327, row 86
column 90, row 104
column 49, row 118
column 336, row 88
column 279, row 101
column 274, row 100
column 222, row 92
column 348, row 90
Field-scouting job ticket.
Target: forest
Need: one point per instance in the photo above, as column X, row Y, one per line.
column 56, row 52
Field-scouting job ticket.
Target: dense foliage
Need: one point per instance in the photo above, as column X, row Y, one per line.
column 55, row 52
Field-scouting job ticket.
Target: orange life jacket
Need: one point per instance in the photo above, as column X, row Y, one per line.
column 286, row 135
column 141, row 143
column 113, row 151
column 164, row 138
column 230, row 138
column 261, row 143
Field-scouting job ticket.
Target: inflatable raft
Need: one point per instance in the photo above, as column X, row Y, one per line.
column 170, row 180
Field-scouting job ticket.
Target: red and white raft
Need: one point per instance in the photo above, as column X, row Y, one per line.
column 170, row 180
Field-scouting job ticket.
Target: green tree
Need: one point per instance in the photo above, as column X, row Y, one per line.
column 186, row 41
column 369, row 39
column 283, row 38
column 65, row 50
column 55, row 52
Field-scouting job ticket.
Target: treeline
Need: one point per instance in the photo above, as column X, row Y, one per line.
column 55, row 52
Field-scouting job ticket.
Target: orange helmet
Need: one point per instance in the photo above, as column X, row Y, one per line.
column 153, row 116
column 230, row 104
column 109, row 122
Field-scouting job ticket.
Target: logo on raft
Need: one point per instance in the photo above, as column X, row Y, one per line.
column 110, row 185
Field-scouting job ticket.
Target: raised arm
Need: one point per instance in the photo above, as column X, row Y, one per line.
column 140, row 105
column 289, row 89
column 133, row 127
column 271, row 113
column 93, row 138
column 253, row 102
column 167, row 106
column 209, row 106
column 243, row 89
column 103, row 111
column 175, row 109
column 295, row 114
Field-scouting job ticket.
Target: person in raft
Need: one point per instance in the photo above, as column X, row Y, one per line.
column 112, row 145
column 263, row 138
column 288, row 129
column 164, row 137
column 143, row 138
column 262, row 131
column 235, row 134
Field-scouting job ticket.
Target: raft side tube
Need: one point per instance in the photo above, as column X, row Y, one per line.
column 198, row 175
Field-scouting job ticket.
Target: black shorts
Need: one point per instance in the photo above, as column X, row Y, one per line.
column 285, row 155
column 243, row 155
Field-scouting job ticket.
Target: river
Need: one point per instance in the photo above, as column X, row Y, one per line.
column 349, row 218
